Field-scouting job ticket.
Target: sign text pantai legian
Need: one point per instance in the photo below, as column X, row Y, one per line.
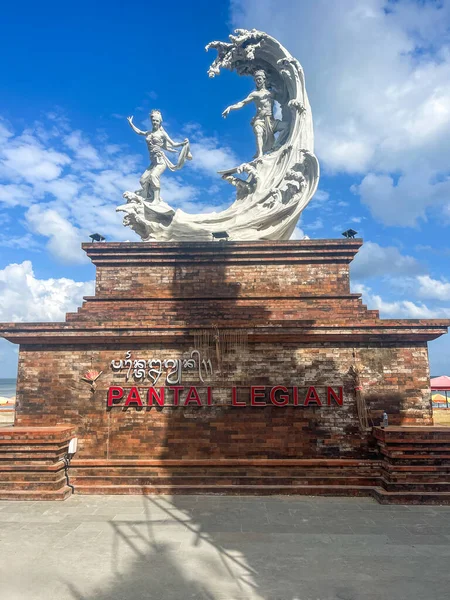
column 257, row 395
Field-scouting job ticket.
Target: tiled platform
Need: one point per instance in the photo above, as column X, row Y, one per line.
column 223, row 548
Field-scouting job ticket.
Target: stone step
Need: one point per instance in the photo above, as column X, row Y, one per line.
column 31, row 466
column 413, row 448
column 38, row 467
column 416, row 486
column 8, row 458
column 304, row 490
column 410, row 497
column 214, row 462
column 420, row 478
column 215, row 480
column 27, row 475
column 26, row 485
column 61, row 494
column 220, row 472
column 410, row 468
column 425, row 457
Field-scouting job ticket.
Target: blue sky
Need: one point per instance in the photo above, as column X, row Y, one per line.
column 378, row 78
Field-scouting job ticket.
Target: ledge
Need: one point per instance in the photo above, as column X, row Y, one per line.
column 250, row 253
column 82, row 332
column 231, row 299
column 417, row 435
column 225, row 462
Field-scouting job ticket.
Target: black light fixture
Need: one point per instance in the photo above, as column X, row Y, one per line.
column 96, row 237
column 350, row 233
column 220, row 235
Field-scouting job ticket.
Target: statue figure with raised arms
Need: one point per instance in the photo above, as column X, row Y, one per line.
column 158, row 140
column 273, row 188
column 264, row 123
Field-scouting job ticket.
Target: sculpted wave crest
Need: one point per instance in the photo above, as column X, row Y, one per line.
column 273, row 188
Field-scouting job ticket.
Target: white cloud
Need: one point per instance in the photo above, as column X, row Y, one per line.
column 314, row 226
column 64, row 240
column 70, row 182
column 5, row 131
column 321, row 196
column 210, row 157
column 378, row 75
column 113, row 148
column 405, row 202
column 374, row 260
column 112, row 182
column 14, row 194
column 83, row 150
column 27, row 158
column 23, row 297
column 299, row 234
column 25, row 241
column 400, row 308
column 434, row 289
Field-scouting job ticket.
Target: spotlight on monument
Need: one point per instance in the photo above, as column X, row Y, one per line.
column 96, row 237
column 73, row 445
column 220, row 235
column 350, row 233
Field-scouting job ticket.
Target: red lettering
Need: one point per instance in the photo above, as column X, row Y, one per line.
column 312, row 396
column 114, row 393
column 209, row 398
column 257, row 391
column 193, row 397
column 234, row 400
column 176, row 389
column 153, row 395
column 133, row 397
column 338, row 398
column 282, row 399
column 295, row 395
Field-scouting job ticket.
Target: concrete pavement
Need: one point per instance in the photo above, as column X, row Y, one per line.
column 223, row 548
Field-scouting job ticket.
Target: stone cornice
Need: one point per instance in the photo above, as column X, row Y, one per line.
column 113, row 253
column 118, row 333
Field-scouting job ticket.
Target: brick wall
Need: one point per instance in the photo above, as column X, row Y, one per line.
column 162, row 281
column 51, row 392
column 303, row 327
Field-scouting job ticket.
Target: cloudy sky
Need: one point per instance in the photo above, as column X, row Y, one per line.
column 378, row 78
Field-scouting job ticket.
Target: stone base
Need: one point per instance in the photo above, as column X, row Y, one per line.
column 413, row 467
column 270, row 476
column 265, row 314
column 31, row 462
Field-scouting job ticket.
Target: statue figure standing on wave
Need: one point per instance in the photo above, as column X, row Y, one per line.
column 264, row 123
column 158, row 140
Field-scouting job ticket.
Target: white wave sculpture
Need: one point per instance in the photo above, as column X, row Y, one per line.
column 272, row 189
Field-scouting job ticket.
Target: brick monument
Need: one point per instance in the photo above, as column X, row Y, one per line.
column 219, row 357
column 278, row 410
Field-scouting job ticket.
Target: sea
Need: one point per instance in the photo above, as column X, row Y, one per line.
column 8, row 388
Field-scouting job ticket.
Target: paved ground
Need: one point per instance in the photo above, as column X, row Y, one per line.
column 222, row 548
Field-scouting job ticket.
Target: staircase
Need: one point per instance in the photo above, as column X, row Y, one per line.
column 412, row 467
column 31, row 462
column 416, row 465
column 225, row 476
